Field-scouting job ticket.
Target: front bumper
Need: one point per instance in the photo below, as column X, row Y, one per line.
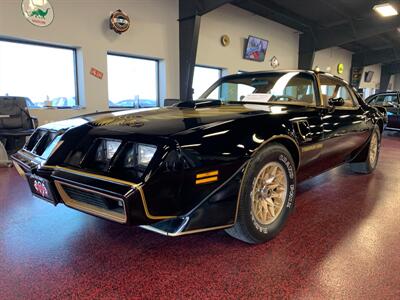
column 109, row 198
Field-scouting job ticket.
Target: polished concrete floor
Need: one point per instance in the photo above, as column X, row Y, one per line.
column 342, row 241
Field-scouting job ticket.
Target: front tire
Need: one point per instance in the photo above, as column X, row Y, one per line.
column 266, row 196
column 371, row 159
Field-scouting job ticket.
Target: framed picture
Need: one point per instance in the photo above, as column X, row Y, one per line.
column 255, row 48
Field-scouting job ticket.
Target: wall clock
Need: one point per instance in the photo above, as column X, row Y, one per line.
column 119, row 21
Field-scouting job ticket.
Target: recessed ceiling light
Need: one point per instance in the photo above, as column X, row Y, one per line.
column 385, row 10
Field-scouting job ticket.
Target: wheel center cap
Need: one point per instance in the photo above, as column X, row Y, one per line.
column 266, row 193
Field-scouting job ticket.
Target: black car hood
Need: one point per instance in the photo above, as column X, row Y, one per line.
column 164, row 121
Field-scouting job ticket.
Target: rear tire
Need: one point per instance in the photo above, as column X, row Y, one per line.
column 266, row 196
column 371, row 160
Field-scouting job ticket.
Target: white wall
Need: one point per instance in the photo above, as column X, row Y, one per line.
column 238, row 24
column 84, row 24
column 154, row 33
column 330, row 58
column 396, row 86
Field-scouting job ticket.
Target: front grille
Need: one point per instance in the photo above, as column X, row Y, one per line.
column 93, row 199
column 93, row 202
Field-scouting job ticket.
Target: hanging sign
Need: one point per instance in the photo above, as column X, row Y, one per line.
column 38, row 12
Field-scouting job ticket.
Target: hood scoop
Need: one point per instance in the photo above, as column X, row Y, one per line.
column 198, row 104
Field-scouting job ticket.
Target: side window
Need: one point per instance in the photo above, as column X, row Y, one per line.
column 347, row 97
column 390, row 99
column 333, row 88
column 379, row 100
column 372, row 100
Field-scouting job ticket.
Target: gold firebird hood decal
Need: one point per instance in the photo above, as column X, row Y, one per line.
column 137, row 119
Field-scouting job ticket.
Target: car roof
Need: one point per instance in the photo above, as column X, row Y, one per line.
column 245, row 74
column 384, row 93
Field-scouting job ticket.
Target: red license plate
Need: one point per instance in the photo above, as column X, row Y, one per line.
column 40, row 187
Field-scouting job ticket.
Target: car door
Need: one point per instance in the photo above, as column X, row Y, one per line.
column 344, row 127
column 391, row 104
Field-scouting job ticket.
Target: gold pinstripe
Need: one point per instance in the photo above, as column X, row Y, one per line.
column 115, row 180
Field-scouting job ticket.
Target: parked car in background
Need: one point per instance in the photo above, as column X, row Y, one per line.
column 30, row 104
column 135, row 103
column 63, row 102
column 228, row 163
column 390, row 102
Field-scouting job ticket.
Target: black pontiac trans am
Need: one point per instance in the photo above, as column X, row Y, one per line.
column 230, row 160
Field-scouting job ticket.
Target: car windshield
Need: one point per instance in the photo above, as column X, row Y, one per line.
column 275, row 87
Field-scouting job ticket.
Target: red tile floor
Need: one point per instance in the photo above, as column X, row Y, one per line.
column 342, row 241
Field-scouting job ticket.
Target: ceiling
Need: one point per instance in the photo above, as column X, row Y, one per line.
column 350, row 24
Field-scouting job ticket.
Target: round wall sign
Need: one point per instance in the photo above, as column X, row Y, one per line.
column 274, row 62
column 119, row 21
column 225, row 40
column 340, row 68
column 38, row 12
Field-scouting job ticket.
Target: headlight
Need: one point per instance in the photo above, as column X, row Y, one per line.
column 111, row 148
column 144, row 154
column 106, row 150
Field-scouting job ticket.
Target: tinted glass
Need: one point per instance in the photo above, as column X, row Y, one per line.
column 390, row 99
column 332, row 88
column 276, row 87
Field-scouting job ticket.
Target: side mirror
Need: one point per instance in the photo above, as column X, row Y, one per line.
column 336, row 101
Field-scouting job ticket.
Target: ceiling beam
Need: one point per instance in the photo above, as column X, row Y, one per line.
column 191, row 8
column 385, row 79
column 306, row 57
column 373, row 57
column 275, row 12
column 393, row 68
column 190, row 12
column 357, row 30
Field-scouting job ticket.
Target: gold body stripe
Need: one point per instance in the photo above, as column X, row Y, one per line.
column 207, row 180
column 159, row 231
column 311, row 147
column 115, row 180
column 208, row 174
column 19, row 169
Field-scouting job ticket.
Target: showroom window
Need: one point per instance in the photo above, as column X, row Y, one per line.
column 132, row 81
column 203, row 78
column 45, row 75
